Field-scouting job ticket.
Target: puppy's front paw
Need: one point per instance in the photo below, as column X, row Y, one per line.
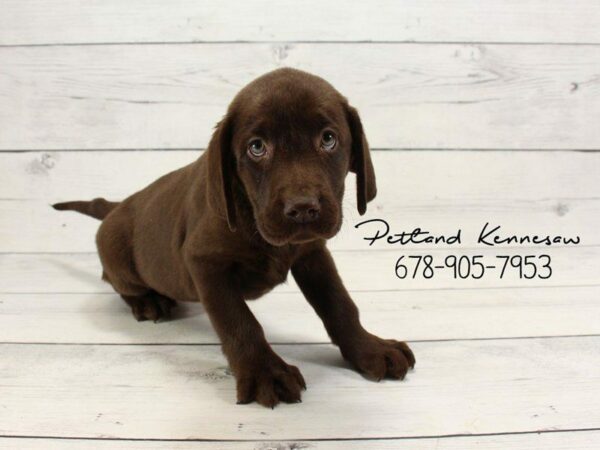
column 378, row 358
column 269, row 382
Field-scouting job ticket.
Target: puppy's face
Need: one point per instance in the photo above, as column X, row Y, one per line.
column 291, row 143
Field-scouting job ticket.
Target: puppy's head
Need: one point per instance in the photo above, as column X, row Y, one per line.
column 287, row 142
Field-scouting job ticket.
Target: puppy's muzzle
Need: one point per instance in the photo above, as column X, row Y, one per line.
column 302, row 209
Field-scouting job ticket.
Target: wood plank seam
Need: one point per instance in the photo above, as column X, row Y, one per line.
column 373, row 149
column 393, row 438
column 304, row 41
column 215, row 344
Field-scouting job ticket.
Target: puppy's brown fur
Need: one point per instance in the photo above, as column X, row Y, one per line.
column 230, row 226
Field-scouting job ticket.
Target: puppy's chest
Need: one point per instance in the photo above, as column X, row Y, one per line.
column 261, row 273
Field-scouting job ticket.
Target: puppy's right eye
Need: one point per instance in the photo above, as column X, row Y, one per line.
column 328, row 140
column 257, row 148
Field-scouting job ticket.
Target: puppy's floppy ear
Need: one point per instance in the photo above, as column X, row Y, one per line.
column 360, row 162
column 221, row 170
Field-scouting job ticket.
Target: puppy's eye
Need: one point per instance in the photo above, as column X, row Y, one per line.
column 257, row 148
column 328, row 140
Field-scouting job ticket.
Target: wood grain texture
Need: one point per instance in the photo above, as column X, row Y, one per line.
column 524, row 192
column 33, row 226
column 173, row 391
column 410, row 96
column 361, row 270
column 581, row 440
column 403, row 176
column 73, row 21
column 288, row 318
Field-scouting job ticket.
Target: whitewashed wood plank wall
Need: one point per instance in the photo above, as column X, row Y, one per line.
column 39, row 22
column 412, row 96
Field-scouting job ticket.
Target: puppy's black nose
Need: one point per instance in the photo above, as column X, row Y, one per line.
column 302, row 209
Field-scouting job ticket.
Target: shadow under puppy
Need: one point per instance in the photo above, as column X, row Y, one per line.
column 261, row 201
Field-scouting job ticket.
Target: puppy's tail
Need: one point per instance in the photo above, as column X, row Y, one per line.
column 97, row 208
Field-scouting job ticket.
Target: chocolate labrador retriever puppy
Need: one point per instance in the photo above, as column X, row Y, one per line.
column 263, row 199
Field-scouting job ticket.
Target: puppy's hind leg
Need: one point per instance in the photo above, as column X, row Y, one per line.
column 151, row 306
column 114, row 241
column 145, row 303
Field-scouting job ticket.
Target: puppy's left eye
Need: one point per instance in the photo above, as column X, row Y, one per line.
column 328, row 140
column 257, row 148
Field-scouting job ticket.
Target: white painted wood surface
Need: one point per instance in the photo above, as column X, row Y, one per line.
column 521, row 191
column 586, row 440
column 410, row 96
column 405, row 178
column 501, row 363
column 161, row 392
column 112, row 21
column 71, row 232
column 417, row 315
column 360, row 269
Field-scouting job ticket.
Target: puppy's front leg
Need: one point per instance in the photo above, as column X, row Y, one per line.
column 377, row 358
column 260, row 373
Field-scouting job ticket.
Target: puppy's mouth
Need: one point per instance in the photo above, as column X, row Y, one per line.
column 298, row 233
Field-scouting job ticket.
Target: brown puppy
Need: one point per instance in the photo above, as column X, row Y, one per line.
column 260, row 201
